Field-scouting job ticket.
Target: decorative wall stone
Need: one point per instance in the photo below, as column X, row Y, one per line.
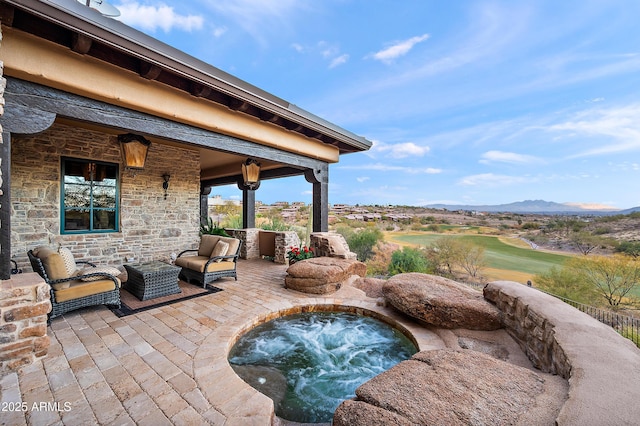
column 284, row 241
column 330, row 244
column 151, row 228
column 533, row 331
column 250, row 248
column 24, row 305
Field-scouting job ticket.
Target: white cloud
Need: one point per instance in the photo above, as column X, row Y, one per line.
column 363, row 179
column 400, row 150
column 339, row 60
column 507, row 157
column 379, row 167
column 491, row 179
column 258, row 17
column 150, row 18
column 219, row 32
column 398, row 49
column 612, row 130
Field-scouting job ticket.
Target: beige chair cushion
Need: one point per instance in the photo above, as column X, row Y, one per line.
column 192, row 262
column 111, row 270
column 196, row 263
column 207, row 243
column 53, row 264
column 69, row 261
column 79, row 289
column 220, row 250
column 233, row 246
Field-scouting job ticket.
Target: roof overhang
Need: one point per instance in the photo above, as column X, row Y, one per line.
column 85, row 31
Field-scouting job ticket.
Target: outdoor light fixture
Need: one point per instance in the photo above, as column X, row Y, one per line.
column 134, row 150
column 165, row 184
column 251, row 173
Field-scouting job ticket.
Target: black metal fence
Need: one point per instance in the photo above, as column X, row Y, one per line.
column 627, row 326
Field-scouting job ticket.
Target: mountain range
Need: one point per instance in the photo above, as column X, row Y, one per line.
column 539, row 207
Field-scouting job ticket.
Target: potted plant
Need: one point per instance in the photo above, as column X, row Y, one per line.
column 299, row 253
column 208, row 227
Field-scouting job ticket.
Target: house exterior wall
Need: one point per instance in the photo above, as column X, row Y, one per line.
column 151, row 228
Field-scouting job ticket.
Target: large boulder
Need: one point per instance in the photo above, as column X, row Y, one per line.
column 446, row 387
column 372, row 287
column 322, row 275
column 441, row 302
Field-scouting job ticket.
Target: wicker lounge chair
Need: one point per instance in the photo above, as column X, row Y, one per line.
column 71, row 290
column 209, row 263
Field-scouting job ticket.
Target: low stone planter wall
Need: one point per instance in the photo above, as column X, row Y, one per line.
column 602, row 367
column 24, row 305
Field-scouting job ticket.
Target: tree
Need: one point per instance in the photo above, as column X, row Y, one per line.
column 443, row 255
column 630, row 248
column 564, row 282
column 585, row 242
column 614, row 277
column 471, row 258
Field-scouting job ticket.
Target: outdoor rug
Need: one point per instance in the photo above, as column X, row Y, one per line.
column 130, row 304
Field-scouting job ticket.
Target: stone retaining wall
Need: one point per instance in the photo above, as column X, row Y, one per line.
column 24, row 305
column 602, row 367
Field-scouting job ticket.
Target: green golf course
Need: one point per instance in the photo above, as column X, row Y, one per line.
column 505, row 258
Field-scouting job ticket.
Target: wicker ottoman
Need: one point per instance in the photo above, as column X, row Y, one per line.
column 152, row 279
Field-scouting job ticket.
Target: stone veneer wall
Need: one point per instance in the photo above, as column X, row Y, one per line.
column 3, row 85
column 24, row 304
column 533, row 330
column 151, row 228
column 250, row 238
column 284, row 241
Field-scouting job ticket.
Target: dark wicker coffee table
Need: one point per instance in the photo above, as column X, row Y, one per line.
column 152, row 279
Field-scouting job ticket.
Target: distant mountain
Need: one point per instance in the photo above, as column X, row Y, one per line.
column 535, row 206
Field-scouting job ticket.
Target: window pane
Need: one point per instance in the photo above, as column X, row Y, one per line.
column 90, row 196
column 76, row 220
column 104, row 196
column 77, row 195
column 104, row 219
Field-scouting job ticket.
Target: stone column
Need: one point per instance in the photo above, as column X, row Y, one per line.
column 23, row 323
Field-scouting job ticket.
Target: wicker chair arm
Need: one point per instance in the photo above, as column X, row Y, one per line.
column 80, row 277
column 187, row 251
column 84, row 262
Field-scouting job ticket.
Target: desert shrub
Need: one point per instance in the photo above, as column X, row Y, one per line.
column 408, row 260
column 362, row 242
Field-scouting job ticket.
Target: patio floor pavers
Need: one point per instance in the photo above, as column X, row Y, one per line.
column 166, row 365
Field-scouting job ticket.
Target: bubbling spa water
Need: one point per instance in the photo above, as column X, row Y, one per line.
column 316, row 360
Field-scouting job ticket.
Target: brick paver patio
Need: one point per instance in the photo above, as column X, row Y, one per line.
column 162, row 366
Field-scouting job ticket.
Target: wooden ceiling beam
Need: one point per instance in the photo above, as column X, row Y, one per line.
column 199, row 90
column 238, row 105
column 80, row 43
column 149, row 71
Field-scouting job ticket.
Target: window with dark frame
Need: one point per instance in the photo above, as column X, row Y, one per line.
column 89, row 196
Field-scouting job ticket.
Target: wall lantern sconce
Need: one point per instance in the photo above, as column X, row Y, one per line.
column 165, row 184
column 251, row 173
column 134, row 150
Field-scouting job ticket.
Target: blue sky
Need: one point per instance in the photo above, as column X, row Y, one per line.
column 466, row 102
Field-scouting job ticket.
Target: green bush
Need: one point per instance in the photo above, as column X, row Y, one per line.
column 362, row 241
column 408, row 260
